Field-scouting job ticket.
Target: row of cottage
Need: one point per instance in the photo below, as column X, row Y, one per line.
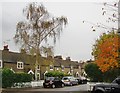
column 22, row 62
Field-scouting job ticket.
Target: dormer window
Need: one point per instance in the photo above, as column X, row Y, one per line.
column 51, row 67
column 1, row 64
column 20, row 65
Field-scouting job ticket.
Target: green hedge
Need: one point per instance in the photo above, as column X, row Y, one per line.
column 22, row 77
column 55, row 74
column 9, row 78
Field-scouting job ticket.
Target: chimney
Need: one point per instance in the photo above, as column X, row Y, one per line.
column 22, row 51
column 68, row 59
column 58, row 57
column 50, row 57
column 6, row 47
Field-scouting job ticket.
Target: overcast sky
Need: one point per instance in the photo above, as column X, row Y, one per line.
column 76, row 39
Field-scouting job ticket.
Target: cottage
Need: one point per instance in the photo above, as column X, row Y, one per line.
column 22, row 62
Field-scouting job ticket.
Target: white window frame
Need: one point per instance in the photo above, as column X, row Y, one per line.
column 21, row 65
column 51, row 67
column 57, row 68
column 1, row 63
column 71, row 67
column 62, row 67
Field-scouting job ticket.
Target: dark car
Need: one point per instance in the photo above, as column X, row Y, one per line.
column 53, row 82
column 70, row 80
column 79, row 80
column 113, row 87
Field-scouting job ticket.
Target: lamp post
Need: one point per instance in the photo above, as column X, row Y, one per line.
column 118, row 30
column 119, row 17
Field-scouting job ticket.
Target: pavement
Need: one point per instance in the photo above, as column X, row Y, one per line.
column 67, row 89
column 37, row 87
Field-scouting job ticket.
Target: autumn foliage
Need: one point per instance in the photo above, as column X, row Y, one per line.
column 106, row 51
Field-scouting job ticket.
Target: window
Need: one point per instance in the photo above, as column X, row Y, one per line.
column 38, row 76
column 19, row 65
column 1, row 64
column 62, row 67
column 57, row 68
column 38, row 67
column 71, row 67
column 51, row 67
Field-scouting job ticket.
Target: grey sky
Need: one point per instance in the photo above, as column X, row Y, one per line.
column 77, row 38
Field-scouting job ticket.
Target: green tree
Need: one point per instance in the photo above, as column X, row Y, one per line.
column 93, row 72
column 39, row 26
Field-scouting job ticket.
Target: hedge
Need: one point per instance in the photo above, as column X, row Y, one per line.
column 55, row 74
column 9, row 78
column 22, row 77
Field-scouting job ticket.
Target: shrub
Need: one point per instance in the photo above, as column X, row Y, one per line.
column 7, row 78
column 54, row 74
column 22, row 77
column 95, row 74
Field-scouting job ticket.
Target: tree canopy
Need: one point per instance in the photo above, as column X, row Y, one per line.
column 39, row 26
column 106, row 51
column 93, row 72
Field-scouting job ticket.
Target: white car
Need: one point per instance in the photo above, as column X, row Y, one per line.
column 70, row 80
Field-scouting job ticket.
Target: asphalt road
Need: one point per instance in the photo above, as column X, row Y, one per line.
column 69, row 89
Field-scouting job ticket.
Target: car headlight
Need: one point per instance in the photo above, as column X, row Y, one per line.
column 91, row 87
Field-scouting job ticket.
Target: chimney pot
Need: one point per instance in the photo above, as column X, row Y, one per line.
column 6, row 47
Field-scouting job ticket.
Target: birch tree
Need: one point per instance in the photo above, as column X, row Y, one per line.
column 38, row 27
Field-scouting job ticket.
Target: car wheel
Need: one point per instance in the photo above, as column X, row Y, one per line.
column 71, row 84
column 53, row 86
column 62, row 85
column 99, row 91
column 45, row 86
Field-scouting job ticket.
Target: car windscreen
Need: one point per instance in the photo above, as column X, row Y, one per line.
column 65, row 78
column 50, row 78
column 117, row 80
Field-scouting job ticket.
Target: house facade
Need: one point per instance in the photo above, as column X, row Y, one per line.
column 22, row 62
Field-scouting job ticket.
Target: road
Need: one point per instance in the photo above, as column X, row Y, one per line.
column 68, row 89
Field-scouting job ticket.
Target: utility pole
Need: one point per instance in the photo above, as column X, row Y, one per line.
column 118, row 31
column 119, row 17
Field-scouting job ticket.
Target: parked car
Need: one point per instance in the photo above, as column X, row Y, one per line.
column 79, row 80
column 70, row 80
column 53, row 82
column 82, row 80
column 113, row 87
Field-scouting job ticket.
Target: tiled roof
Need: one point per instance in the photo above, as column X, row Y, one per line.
column 13, row 57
